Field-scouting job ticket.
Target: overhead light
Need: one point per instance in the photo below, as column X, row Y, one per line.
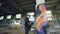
column 9, row 17
column 49, row 12
column 18, row 15
column 49, row 15
column 31, row 19
column 32, row 13
column 1, row 18
column 30, row 16
column 50, row 19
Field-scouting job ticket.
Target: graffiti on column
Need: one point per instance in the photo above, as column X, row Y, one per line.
column 41, row 18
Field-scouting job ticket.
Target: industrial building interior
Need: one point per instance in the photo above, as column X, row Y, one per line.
column 12, row 11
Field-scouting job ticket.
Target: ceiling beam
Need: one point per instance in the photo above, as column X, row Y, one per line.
column 51, row 5
column 29, row 5
column 15, row 5
column 52, row 2
column 5, row 11
column 22, row 1
column 27, row 2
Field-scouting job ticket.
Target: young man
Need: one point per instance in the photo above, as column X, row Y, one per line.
column 27, row 25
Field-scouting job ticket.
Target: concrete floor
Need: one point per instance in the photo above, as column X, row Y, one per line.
column 4, row 30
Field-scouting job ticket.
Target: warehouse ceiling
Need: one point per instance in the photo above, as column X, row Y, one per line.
column 54, row 6
column 21, row 6
column 16, row 6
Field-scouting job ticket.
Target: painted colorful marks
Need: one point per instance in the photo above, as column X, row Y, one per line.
column 41, row 18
